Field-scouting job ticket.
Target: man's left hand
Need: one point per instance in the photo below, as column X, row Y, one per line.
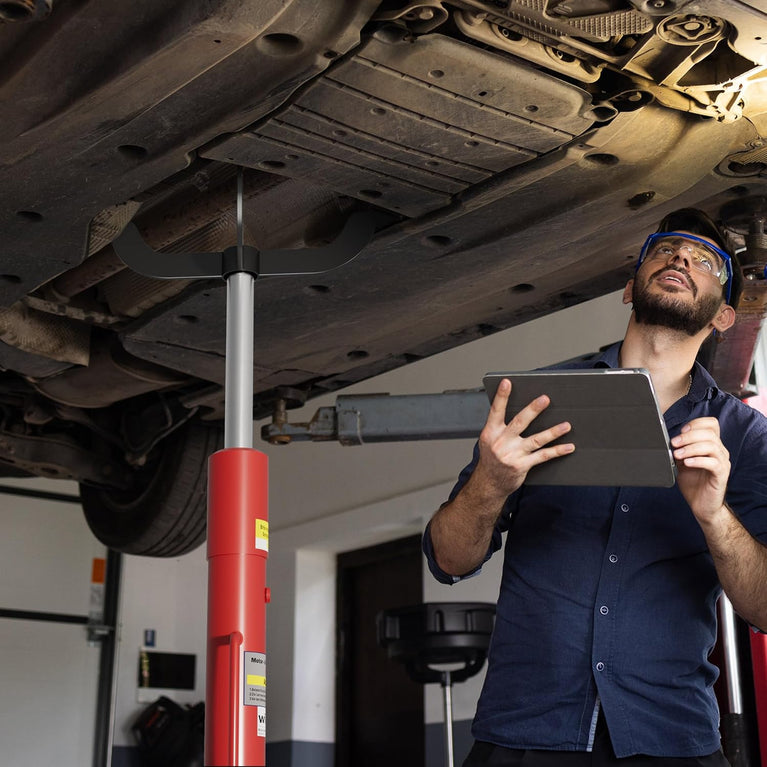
column 703, row 467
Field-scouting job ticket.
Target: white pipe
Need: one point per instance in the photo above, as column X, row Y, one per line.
column 731, row 660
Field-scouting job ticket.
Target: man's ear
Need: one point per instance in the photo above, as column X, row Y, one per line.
column 724, row 319
column 628, row 291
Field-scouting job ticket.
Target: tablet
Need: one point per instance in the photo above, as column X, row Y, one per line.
column 617, row 428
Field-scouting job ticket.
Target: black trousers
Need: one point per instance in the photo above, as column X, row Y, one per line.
column 602, row 755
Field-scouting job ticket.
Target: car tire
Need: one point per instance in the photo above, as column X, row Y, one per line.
column 164, row 515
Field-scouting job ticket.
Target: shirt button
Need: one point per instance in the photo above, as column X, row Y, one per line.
column 624, row 507
column 604, row 610
column 613, row 558
column 600, row 666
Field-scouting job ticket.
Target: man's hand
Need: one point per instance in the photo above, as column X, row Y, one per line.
column 703, row 465
column 740, row 559
column 505, row 457
column 461, row 530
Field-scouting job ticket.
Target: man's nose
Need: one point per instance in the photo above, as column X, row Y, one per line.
column 682, row 254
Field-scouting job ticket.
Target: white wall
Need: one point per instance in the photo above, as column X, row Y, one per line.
column 48, row 671
column 169, row 596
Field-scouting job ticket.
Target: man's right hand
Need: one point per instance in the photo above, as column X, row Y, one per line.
column 505, row 457
column 462, row 529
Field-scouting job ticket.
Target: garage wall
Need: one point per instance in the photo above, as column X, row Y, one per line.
column 48, row 671
column 169, row 597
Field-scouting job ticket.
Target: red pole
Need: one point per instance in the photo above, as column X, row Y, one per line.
column 759, row 660
column 238, row 543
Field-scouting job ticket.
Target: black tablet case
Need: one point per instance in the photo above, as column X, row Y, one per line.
column 617, row 428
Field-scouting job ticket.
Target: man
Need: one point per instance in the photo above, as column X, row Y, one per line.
column 606, row 613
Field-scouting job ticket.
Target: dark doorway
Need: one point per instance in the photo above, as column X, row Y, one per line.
column 380, row 717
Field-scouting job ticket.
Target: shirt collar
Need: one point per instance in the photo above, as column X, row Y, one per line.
column 609, row 357
column 702, row 386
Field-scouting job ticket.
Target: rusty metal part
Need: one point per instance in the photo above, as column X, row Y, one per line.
column 59, row 457
column 57, row 338
column 92, row 271
column 108, row 223
column 112, row 375
column 279, row 420
column 743, row 215
column 204, row 223
column 130, row 295
column 323, row 427
column 211, row 214
column 81, row 312
column 734, row 355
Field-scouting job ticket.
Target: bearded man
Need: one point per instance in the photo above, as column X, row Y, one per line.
column 606, row 614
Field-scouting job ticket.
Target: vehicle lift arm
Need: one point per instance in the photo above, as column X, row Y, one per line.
column 367, row 418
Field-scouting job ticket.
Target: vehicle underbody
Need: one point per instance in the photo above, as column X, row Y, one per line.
column 515, row 154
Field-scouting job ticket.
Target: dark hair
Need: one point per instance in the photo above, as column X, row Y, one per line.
column 698, row 222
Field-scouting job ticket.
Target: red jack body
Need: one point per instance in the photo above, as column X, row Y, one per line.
column 238, row 542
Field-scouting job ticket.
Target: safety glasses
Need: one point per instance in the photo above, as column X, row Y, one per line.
column 702, row 256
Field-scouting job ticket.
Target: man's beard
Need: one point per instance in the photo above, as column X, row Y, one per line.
column 666, row 311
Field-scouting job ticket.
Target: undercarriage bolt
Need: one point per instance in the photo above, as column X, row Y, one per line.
column 279, row 419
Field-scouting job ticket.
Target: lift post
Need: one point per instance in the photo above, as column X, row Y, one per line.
column 238, row 526
column 238, row 546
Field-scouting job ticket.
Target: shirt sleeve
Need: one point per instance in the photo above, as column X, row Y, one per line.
column 495, row 542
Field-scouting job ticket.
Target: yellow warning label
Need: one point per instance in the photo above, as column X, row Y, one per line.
column 257, row 681
column 262, row 534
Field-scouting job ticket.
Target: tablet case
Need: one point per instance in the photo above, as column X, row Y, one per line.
column 618, row 430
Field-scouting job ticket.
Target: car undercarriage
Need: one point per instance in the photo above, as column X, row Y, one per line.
column 513, row 153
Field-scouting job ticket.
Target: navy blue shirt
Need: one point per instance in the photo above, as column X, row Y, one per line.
column 608, row 599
